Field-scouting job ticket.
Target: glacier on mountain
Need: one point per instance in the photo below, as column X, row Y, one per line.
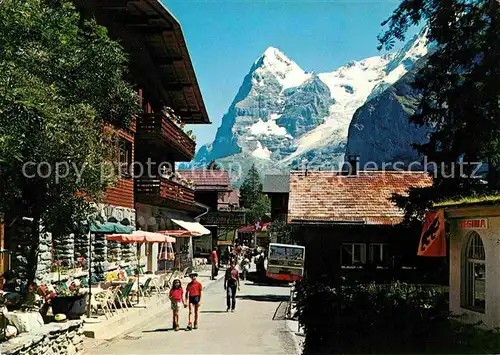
column 283, row 116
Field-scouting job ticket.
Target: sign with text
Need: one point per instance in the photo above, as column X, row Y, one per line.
column 224, row 219
column 474, row 223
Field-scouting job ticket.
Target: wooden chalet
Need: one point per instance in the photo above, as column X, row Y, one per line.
column 277, row 187
column 161, row 68
column 213, row 189
column 349, row 225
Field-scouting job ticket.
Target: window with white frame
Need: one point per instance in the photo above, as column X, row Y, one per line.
column 379, row 253
column 474, row 284
column 353, row 254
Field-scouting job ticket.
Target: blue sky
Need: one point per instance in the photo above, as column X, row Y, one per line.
column 225, row 37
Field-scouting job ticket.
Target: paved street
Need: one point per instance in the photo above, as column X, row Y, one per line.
column 250, row 330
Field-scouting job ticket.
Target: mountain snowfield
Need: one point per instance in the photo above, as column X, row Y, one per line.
column 283, row 115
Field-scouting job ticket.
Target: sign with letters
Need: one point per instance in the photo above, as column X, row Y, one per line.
column 474, row 223
column 224, row 219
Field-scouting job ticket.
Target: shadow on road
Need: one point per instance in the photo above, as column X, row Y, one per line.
column 213, row 312
column 267, row 284
column 263, row 298
column 260, row 279
column 159, row 330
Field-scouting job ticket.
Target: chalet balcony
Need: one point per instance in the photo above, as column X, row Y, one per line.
column 162, row 132
column 162, row 191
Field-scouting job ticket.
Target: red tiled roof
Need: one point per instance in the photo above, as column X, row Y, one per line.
column 208, row 180
column 329, row 196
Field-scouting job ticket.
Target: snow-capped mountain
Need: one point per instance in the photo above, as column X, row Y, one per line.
column 282, row 115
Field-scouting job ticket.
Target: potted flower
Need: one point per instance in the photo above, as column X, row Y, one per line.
column 70, row 301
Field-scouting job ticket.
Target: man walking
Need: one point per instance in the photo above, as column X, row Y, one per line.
column 231, row 282
column 215, row 263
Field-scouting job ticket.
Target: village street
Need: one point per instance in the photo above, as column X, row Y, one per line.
column 250, row 330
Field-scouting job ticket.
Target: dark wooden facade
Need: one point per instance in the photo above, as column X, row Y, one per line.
column 328, row 253
column 164, row 192
column 161, row 132
column 279, row 206
column 122, row 193
column 160, row 61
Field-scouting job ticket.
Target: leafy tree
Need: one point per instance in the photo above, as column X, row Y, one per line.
column 252, row 199
column 459, row 87
column 61, row 82
column 281, row 232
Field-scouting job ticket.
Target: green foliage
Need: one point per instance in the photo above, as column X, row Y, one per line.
column 251, row 197
column 372, row 319
column 61, row 81
column 459, row 86
column 281, row 232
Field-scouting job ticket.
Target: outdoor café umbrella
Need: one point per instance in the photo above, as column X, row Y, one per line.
column 141, row 237
column 103, row 228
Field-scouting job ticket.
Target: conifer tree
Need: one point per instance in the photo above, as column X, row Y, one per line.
column 252, row 199
column 459, row 87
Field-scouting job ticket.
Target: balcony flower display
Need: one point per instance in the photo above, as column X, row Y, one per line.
column 177, row 178
column 170, row 114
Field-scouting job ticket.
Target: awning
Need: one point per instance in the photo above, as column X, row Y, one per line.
column 110, row 227
column 191, row 226
column 141, row 237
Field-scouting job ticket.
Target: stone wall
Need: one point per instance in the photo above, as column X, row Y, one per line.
column 53, row 338
column 69, row 248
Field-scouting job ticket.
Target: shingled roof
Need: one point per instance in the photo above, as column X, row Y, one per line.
column 327, row 196
column 276, row 184
column 208, row 180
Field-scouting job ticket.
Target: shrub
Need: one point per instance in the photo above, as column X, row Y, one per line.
column 360, row 318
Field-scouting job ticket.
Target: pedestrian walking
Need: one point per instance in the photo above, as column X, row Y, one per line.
column 193, row 299
column 231, row 283
column 245, row 267
column 176, row 296
column 215, row 262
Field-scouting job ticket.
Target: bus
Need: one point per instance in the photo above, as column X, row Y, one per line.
column 285, row 262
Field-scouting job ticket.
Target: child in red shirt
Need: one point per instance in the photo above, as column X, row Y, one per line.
column 193, row 297
column 176, row 298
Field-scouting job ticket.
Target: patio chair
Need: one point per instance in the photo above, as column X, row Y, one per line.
column 155, row 286
column 168, row 279
column 144, row 289
column 102, row 302
column 185, row 272
column 161, row 281
column 123, row 295
column 113, row 298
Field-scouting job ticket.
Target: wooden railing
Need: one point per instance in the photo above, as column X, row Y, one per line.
column 165, row 189
column 156, row 125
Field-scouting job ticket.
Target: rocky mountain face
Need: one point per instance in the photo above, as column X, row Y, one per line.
column 283, row 117
column 380, row 132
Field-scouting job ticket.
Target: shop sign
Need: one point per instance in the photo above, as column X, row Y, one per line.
column 224, row 219
column 475, row 223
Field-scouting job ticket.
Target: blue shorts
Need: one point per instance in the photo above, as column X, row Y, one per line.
column 194, row 300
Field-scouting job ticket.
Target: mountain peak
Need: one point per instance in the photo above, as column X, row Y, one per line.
column 285, row 70
column 274, row 55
